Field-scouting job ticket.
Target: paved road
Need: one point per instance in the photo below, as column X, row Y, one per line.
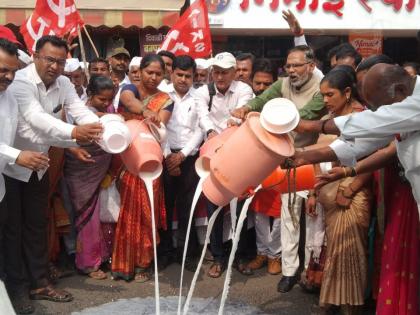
column 258, row 290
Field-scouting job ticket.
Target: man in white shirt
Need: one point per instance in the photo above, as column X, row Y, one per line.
column 9, row 64
column 184, row 140
column 218, row 99
column 215, row 103
column 118, row 59
column 361, row 133
column 41, row 93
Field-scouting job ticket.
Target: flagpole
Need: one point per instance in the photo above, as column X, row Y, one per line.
column 83, row 52
column 91, row 41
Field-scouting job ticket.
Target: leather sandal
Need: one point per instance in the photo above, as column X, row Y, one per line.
column 216, row 270
column 49, row 293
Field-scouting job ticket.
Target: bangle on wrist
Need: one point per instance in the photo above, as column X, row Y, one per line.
column 353, row 172
column 345, row 171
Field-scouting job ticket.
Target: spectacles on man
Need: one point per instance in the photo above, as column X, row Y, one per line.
column 295, row 65
column 50, row 60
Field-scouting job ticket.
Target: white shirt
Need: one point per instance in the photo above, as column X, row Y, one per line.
column 400, row 118
column 39, row 120
column 165, row 86
column 117, row 96
column 236, row 96
column 8, row 125
column 183, row 127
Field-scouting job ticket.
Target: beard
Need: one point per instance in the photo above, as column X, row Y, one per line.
column 301, row 81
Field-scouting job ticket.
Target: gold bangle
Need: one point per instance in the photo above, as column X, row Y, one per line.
column 345, row 171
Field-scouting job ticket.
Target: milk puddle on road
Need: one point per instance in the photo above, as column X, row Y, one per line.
column 168, row 306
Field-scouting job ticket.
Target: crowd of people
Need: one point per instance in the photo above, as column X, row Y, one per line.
column 359, row 127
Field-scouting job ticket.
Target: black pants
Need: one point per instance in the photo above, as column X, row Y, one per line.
column 179, row 194
column 3, row 221
column 216, row 236
column 25, row 234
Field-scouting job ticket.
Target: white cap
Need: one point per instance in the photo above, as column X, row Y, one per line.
column 224, row 60
column 203, row 64
column 72, row 64
column 82, row 65
column 135, row 62
column 24, row 57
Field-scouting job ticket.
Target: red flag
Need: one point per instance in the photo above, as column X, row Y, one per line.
column 51, row 17
column 191, row 34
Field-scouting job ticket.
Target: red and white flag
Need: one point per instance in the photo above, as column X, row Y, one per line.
column 50, row 17
column 191, row 34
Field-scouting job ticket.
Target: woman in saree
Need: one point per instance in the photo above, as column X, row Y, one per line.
column 346, row 204
column 133, row 247
column 84, row 169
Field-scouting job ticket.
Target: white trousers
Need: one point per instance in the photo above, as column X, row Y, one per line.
column 268, row 238
column 290, row 235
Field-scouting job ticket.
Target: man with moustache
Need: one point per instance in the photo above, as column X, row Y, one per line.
column 302, row 88
column 180, row 179
column 215, row 103
column 262, row 75
column 99, row 66
column 41, row 93
column 244, row 62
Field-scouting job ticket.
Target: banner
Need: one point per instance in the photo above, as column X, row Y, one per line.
column 367, row 44
column 50, row 17
column 191, row 34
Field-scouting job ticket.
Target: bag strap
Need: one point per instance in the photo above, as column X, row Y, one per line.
column 212, row 92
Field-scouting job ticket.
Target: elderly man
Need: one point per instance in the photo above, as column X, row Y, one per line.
column 41, row 93
column 134, row 70
column 365, row 132
column 202, row 73
column 302, row 88
column 74, row 72
column 216, row 101
column 118, row 60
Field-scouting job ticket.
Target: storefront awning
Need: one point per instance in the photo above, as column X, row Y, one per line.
column 127, row 13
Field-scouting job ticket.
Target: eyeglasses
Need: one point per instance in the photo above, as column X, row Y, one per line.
column 50, row 60
column 295, row 65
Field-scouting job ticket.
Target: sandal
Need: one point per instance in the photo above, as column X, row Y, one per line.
column 243, row 268
column 49, row 293
column 54, row 273
column 216, row 270
column 97, row 275
column 142, row 277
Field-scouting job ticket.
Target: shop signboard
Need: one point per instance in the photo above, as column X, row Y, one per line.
column 367, row 44
column 151, row 39
column 331, row 15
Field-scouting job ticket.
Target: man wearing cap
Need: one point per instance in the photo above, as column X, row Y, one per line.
column 302, row 88
column 215, row 103
column 74, row 72
column 118, row 59
column 201, row 76
column 134, row 70
column 41, row 93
